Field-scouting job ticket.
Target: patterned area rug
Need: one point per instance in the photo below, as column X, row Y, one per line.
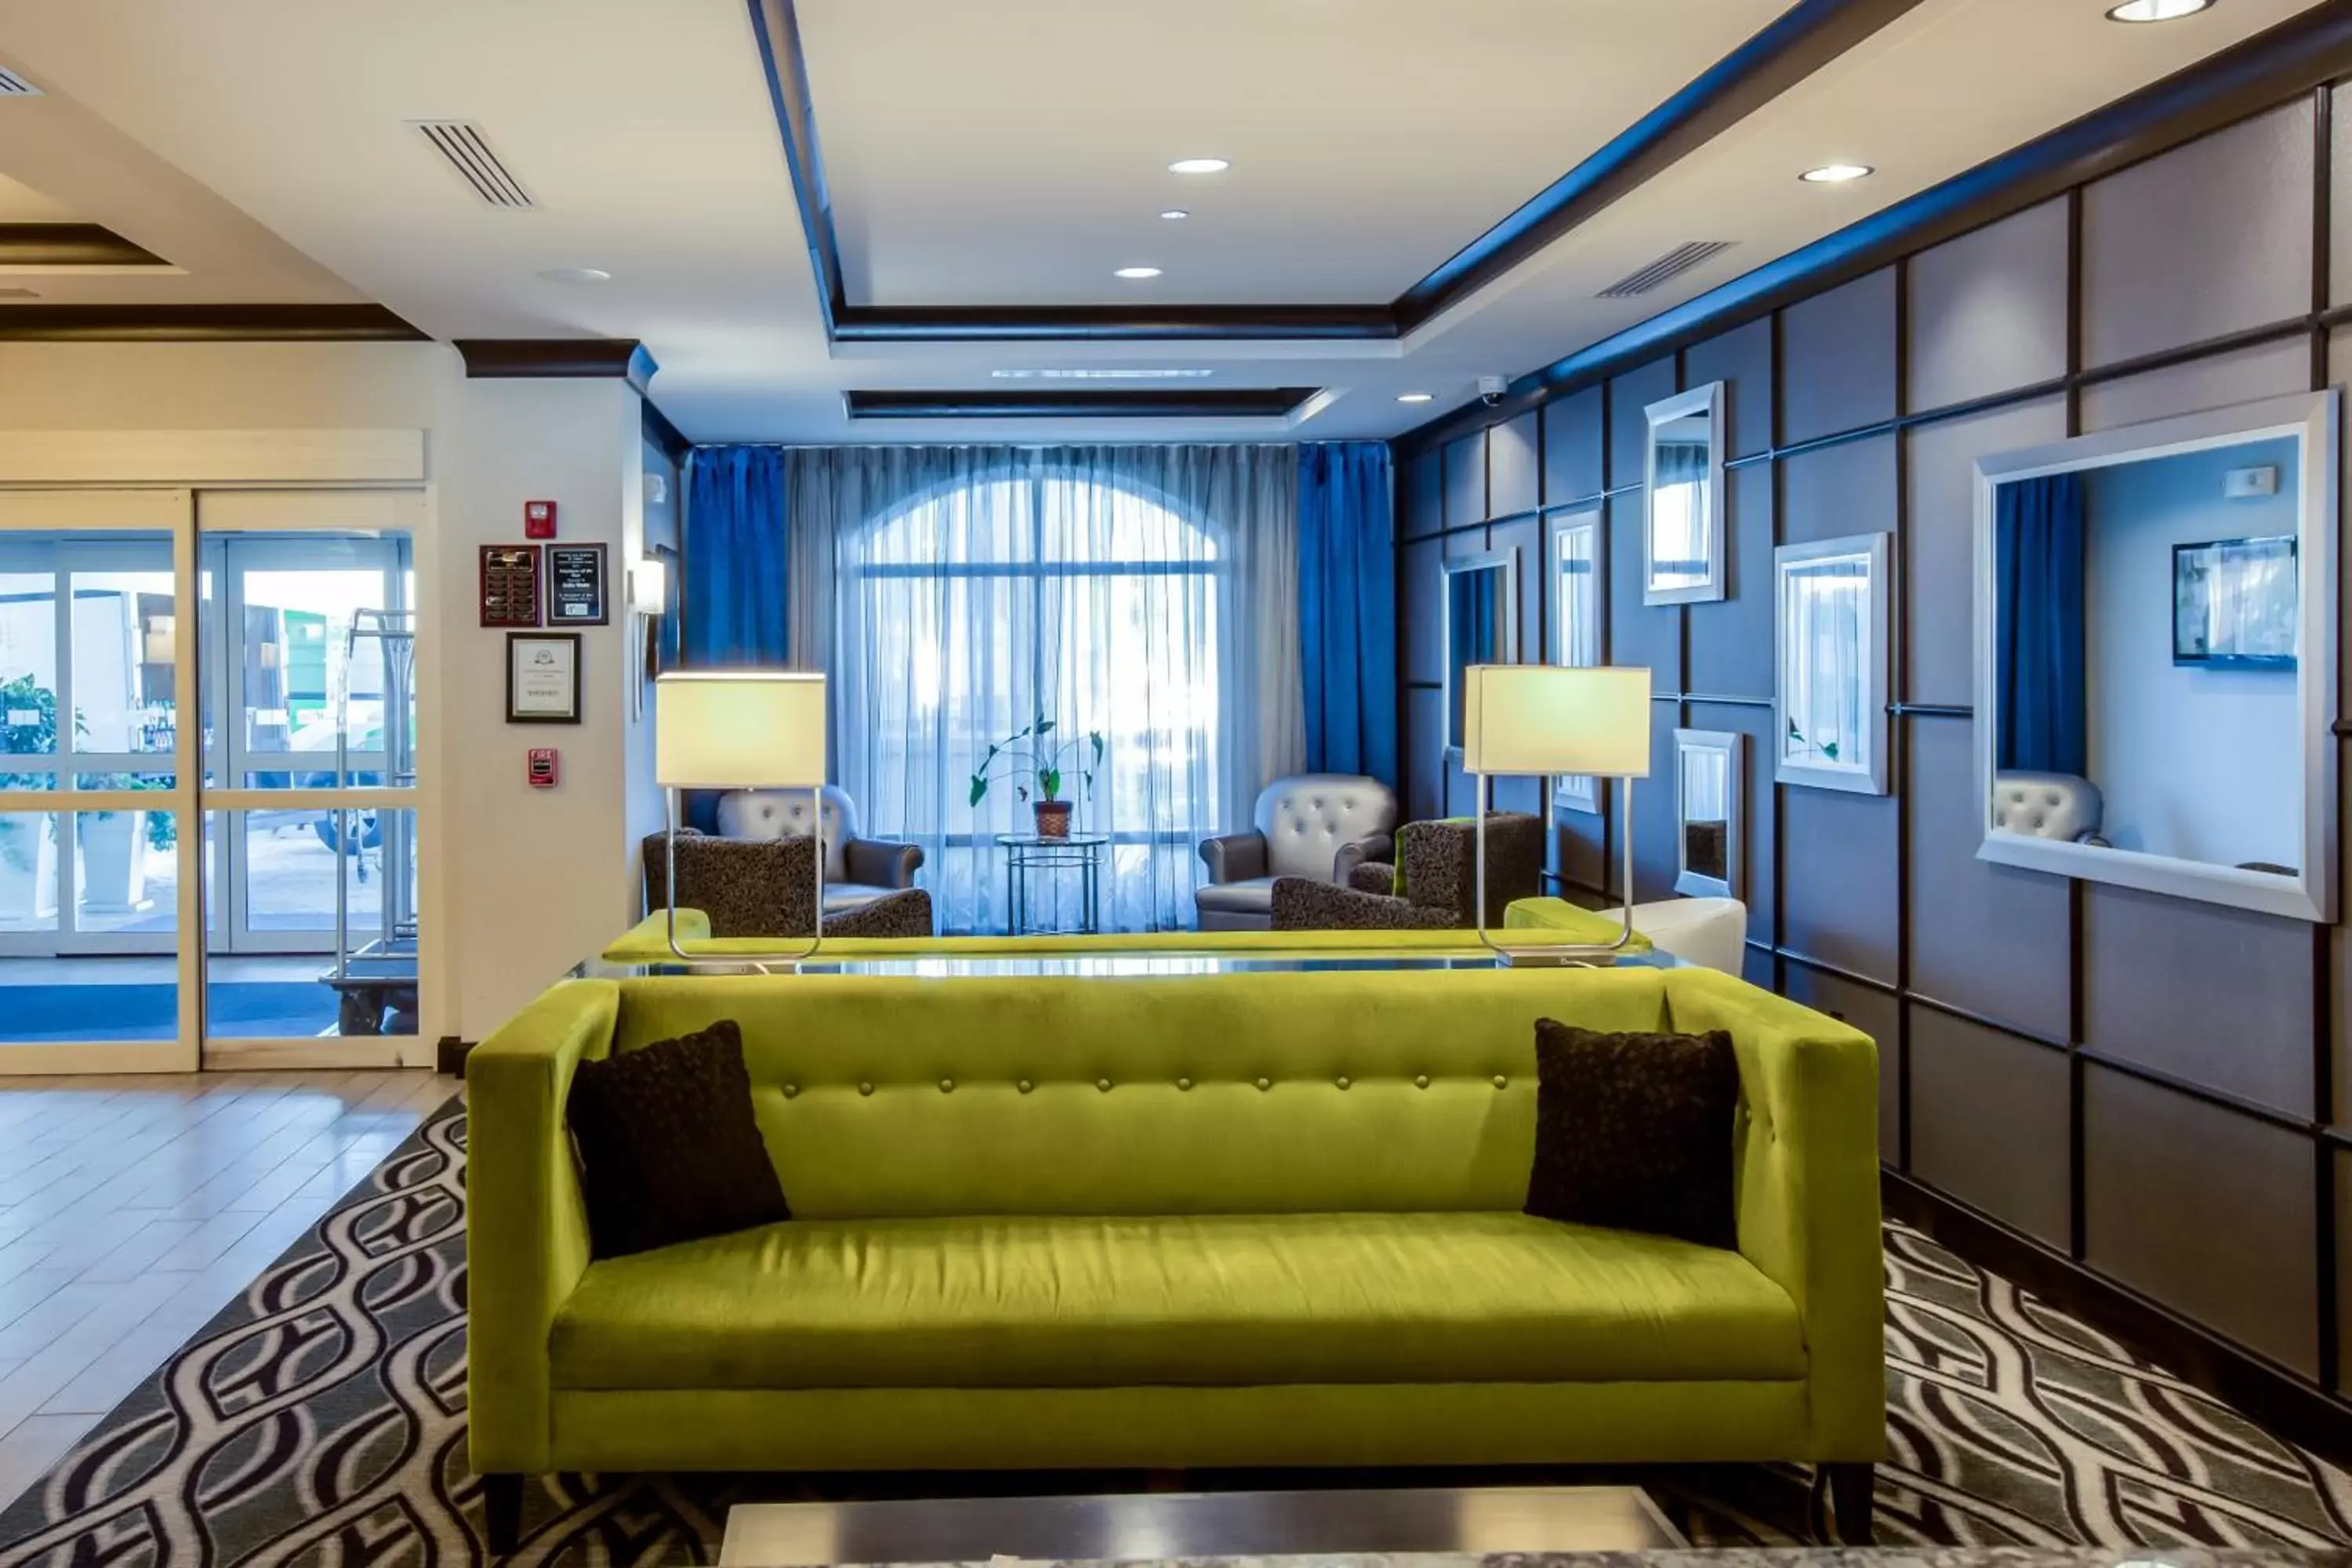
column 321, row 1419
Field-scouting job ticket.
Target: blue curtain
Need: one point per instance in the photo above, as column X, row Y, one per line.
column 1346, row 608
column 736, row 576
column 2040, row 657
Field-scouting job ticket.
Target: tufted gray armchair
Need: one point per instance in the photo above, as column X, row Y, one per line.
column 1320, row 826
column 857, row 870
column 2047, row 805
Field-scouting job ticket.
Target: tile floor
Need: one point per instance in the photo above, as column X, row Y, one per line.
column 133, row 1208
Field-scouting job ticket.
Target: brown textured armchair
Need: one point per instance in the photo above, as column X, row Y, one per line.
column 856, row 870
column 751, row 886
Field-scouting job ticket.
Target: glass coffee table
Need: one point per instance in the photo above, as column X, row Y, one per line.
column 1233, row 1526
column 1028, row 853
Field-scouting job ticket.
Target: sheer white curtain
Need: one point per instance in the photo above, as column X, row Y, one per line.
column 1826, row 652
column 1146, row 595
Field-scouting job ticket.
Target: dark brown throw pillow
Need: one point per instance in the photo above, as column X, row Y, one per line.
column 669, row 1149
column 1634, row 1132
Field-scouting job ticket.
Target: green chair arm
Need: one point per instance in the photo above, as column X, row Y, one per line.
column 1809, row 1199
column 647, row 942
column 526, row 1225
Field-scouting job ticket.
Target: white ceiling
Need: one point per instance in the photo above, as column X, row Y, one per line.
column 1018, row 154
column 262, row 145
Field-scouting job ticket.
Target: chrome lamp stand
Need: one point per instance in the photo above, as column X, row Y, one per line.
column 1563, row 952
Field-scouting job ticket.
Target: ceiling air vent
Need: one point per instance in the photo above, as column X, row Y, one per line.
column 1671, row 265
column 14, row 85
column 462, row 143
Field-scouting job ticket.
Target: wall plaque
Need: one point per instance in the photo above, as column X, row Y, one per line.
column 509, row 585
column 575, row 585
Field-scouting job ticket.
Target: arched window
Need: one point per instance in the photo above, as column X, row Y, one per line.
column 973, row 610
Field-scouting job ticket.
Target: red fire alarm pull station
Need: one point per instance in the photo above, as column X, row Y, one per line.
column 542, row 767
column 538, row 519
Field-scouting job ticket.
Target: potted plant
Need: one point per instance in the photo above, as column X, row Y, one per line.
column 1027, row 757
column 114, row 845
column 29, row 854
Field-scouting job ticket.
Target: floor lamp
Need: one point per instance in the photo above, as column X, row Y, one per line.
column 1540, row 721
column 739, row 729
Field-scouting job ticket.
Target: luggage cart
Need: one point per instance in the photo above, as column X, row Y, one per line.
column 374, row 975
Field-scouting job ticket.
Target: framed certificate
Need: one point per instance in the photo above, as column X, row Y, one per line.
column 509, row 585
column 575, row 585
column 543, row 677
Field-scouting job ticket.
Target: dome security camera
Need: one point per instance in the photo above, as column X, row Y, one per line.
column 1491, row 389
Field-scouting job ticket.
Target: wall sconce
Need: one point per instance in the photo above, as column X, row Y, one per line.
column 649, row 601
column 649, row 586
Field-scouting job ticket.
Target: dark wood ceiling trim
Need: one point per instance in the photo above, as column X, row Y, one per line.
column 1131, row 403
column 615, row 359
column 2261, row 73
column 776, row 27
column 658, row 429
column 1219, row 323
column 71, row 245
column 1794, row 46
column 1798, row 42
column 204, row 324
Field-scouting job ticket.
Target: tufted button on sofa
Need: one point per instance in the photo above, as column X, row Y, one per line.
column 857, row 870
column 1318, row 826
column 2047, row 805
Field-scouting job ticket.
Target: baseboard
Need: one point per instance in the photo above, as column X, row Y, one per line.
column 2278, row 1399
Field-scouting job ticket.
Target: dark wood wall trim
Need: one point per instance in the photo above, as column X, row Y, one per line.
column 2298, row 55
column 658, row 429
column 1798, row 42
column 202, row 324
column 2279, row 1399
column 615, row 359
column 1794, row 46
column 1145, row 403
column 71, row 245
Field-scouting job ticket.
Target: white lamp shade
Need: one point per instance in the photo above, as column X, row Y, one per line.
column 739, row 730
column 1521, row 720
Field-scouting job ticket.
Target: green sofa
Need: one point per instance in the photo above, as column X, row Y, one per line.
column 1260, row 1219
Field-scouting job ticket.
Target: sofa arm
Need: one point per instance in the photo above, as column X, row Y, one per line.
column 1809, row 1203
column 882, row 862
column 526, row 1225
column 647, row 942
column 1373, row 846
column 1373, row 876
column 1235, row 858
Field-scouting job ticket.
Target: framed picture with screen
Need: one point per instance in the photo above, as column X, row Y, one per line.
column 2234, row 603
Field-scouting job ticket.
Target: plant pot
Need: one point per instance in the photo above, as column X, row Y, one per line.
column 114, row 862
column 1052, row 818
column 28, row 873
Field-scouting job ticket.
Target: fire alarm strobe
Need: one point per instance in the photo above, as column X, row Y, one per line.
column 542, row 767
column 538, row 519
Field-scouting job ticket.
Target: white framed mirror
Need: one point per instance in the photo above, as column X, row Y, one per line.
column 1710, row 780
column 1682, row 531
column 1482, row 625
column 1579, row 570
column 1829, row 698
column 2157, row 656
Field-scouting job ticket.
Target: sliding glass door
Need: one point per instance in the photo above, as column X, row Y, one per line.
column 208, row 784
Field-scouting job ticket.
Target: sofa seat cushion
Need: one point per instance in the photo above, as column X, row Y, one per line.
column 1062, row 1301
column 1251, row 896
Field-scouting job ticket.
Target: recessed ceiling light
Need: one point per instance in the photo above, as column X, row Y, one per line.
column 2157, row 10
column 1415, row 396
column 1175, row 214
column 1199, row 166
column 1836, row 173
column 577, row 275
column 1137, row 273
